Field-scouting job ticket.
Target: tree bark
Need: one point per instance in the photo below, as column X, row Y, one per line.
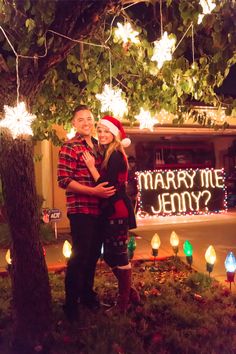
column 30, row 283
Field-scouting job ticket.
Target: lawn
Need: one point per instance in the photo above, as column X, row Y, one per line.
column 182, row 311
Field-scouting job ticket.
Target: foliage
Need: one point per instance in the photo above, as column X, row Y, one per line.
column 86, row 68
column 46, row 233
column 181, row 312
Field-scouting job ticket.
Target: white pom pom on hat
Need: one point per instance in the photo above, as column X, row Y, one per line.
column 116, row 128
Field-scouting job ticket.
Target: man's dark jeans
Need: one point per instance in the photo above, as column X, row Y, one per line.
column 86, row 249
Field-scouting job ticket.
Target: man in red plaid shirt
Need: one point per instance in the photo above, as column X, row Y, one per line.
column 82, row 197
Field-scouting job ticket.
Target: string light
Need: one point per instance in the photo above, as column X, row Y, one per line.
column 207, row 7
column 181, row 192
column 17, row 120
column 146, row 120
column 163, row 49
column 164, row 117
column 215, row 114
column 112, row 101
column 126, row 33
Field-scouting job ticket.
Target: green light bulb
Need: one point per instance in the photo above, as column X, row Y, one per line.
column 188, row 248
column 131, row 244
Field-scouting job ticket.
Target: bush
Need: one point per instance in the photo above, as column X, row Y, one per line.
column 46, row 234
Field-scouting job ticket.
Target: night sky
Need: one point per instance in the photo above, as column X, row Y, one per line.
column 229, row 85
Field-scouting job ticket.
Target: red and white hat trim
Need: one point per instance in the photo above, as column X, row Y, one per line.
column 116, row 128
column 113, row 129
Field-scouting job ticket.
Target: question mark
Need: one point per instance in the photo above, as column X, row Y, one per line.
column 207, row 198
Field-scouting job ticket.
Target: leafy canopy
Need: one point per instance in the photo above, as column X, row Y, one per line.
column 84, row 69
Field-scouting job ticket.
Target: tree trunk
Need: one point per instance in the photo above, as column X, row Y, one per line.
column 30, row 283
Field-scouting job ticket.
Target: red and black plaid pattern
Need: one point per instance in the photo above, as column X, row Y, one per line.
column 72, row 167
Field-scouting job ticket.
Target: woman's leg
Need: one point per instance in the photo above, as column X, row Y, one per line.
column 116, row 256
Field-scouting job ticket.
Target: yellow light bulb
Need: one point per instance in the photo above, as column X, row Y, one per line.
column 156, row 242
column 174, row 239
column 66, row 250
column 8, row 257
column 210, row 255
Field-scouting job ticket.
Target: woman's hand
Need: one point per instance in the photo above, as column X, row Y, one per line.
column 88, row 159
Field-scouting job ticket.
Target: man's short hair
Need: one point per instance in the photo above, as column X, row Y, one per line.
column 81, row 107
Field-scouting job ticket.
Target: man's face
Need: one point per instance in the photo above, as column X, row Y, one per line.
column 83, row 122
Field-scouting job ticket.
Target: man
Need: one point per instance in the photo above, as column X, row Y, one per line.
column 82, row 209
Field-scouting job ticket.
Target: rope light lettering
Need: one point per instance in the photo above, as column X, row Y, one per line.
column 175, row 192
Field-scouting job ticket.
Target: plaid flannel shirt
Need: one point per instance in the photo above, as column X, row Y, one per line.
column 71, row 167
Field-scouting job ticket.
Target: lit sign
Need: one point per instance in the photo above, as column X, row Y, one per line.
column 175, row 192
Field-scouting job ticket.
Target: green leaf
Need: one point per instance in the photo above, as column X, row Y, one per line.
column 40, row 41
column 30, row 24
column 26, row 5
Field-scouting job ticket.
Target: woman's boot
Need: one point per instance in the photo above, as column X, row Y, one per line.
column 134, row 297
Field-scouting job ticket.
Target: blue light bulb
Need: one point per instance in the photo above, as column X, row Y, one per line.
column 230, row 262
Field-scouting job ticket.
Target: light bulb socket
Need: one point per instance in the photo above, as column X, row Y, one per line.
column 230, row 276
column 130, row 254
column 209, row 267
column 189, row 260
column 155, row 252
column 175, row 249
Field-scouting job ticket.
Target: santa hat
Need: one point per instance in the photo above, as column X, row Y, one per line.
column 116, row 128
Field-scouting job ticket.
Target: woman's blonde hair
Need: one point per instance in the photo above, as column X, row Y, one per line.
column 115, row 145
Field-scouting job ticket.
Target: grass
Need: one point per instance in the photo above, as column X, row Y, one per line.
column 182, row 312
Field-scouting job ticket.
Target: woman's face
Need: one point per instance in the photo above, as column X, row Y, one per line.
column 105, row 137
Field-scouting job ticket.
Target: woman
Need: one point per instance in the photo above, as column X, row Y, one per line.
column 117, row 211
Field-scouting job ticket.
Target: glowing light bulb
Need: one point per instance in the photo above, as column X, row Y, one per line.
column 8, row 257
column 210, row 255
column 188, row 251
column 146, row 120
column 66, row 250
column 17, row 120
column 188, row 248
column 230, row 262
column 163, row 49
column 155, row 242
column 112, row 101
column 174, row 239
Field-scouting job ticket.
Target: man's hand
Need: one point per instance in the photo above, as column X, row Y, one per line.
column 103, row 192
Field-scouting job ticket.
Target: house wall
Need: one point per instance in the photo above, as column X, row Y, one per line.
column 46, row 178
